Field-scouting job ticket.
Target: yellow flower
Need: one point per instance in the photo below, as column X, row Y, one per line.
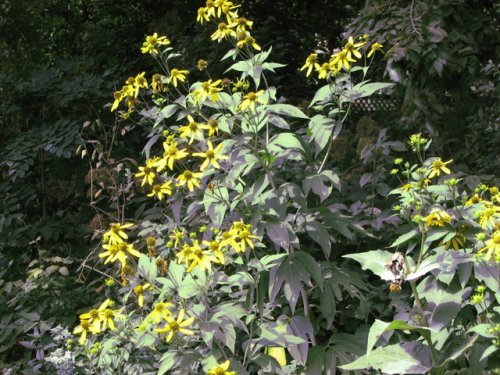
column 210, row 7
column 229, row 238
column 406, row 187
column 177, row 75
column 223, row 31
column 152, row 42
column 245, row 237
column 157, row 83
column 477, row 298
column 226, row 8
column 160, row 312
column 200, row 258
column 473, row 200
column 147, row 172
column 185, row 254
column 139, row 292
column 492, row 247
column 456, row 242
column 488, row 216
column 201, row 64
column 241, row 24
column 311, row 62
column 221, row 369
column 341, row 59
column 208, row 89
column 107, row 319
column 374, row 48
column 118, row 252
column 250, row 99
column 247, row 40
column 324, row 71
column 216, row 248
column 94, row 316
column 213, row 127
column 211, row 155
column 177, row 236
column 139, row 83
column 351, row 48
column 437, row 218
column 161, row 191
column 192, row 130
column 176, row 325
column 115, row 234
column 170, row 155
column 191, row 179
column 83, row 329
column 439, row 166
column 203, row 15
column 112, row 254
column 118, row 96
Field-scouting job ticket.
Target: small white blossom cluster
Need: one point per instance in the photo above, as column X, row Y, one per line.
column 60, row 334
column 61, row 358
column 62, row 361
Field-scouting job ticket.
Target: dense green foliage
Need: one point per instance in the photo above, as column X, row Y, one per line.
column 310, row 177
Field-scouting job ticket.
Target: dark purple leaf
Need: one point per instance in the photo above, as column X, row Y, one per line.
column 488, row 273
column 301, row 327
column 365, row 178
column 278, row 233
column 320, row 235
column 40, row 354
column 27, row 344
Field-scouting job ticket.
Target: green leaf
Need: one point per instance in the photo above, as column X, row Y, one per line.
column 364, row 89
column 323, row 94
column 405, row 238
column 489, row 351
column 168, row 361
column 321, row 129
column 315, row 360
column 286, row 110
column 379, row 327
column 147, row 269
column 285, row 141
column 327, row 304
column 375, row 261
column 482, row 330
column 407, row 358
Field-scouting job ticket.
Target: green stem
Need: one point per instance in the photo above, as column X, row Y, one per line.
column 420, row 308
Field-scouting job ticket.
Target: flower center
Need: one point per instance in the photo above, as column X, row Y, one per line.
column 252, row 96
column 94, row 314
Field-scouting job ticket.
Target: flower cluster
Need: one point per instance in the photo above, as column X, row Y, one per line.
column 175, row 149
column 202, row 254
column 129, row 93
column 222, row 369
column 485, row 206
column 341, row 59
column 97, row 321
column 229, row 24
column 116, row 247
column 162, row 313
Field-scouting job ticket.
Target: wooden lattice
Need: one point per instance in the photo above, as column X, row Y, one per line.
column 377, row 104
